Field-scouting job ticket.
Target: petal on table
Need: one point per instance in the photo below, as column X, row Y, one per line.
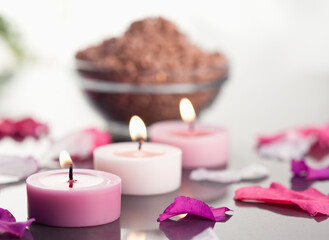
column 19, row 130
column 289, row 145
column 251, row 172
column 80, row 144
column 301, row 169
column 183, row 205
column 311, row 200
column 8, row 224
column 6, row 216
column 17, row 168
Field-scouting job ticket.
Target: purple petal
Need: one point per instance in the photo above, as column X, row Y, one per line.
column 5, row 215
column 183, row 205
column 18, row 168
column 300, row 168
column 8, row 224
column 16, row 229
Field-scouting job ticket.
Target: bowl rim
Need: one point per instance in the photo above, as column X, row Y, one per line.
column 105, row 86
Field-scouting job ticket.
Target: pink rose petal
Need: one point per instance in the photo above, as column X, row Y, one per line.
column 19, row 130
column 270, row 139
column 301, row 169
column 183, row 205
column 80, row 144
column 8, row 224
column 312, row 141
column 311, row 200
column 99, row 137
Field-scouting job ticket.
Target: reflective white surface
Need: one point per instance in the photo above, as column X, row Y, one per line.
column 279, row 55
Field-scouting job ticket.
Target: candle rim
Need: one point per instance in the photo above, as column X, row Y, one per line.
column 111, row 150
column 170, row 125
column 112, row 180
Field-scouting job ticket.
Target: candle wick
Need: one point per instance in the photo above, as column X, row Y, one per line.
column 71, row 172
column 140, row 142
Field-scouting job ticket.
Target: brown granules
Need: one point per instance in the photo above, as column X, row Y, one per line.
column 151, row 52
column 153, row 45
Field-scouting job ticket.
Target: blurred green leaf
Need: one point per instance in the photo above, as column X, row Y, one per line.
column 11, row 38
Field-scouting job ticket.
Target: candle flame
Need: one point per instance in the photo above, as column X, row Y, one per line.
column 137, row 128
column 65, row 159
column 186, row 110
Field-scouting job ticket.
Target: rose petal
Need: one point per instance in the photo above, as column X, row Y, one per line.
column 19, row 130
column 8, row 224
column 270, row 139
column 301, row 169
column 14, row 168
column 183, row 205
column 311, row 200
column 7, row 127
column 80, row 144
column 28, row 127
column 292, row 145
column 252, row 172
column 297, row 143
column 5, row 215
column 99, row 137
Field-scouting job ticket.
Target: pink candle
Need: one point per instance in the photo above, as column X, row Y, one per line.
column 202, row 145
column 94, row 198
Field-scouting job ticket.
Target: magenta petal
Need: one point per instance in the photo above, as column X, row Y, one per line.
column 19, row 130
column 28, row 127
column 5, row 215
column 8, row 224
column 311, row 200
column 301, row 169
column 183, row 205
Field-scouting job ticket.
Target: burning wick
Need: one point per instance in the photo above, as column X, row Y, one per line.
column 187, row 112
column 65, row 159
column 140, row 142
column 137, row 130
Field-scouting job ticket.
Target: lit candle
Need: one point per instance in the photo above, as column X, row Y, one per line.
column 74, row 198
column 202, row 145
column 145, row 168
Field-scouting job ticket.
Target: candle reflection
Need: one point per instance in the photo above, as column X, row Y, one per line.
column 136, row 236
column 141, row 212
column 204, row 191
column 110, row 231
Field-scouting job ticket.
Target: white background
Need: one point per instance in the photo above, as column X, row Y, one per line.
column 278, row 51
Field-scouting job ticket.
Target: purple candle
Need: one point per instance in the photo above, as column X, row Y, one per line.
column 85, row 198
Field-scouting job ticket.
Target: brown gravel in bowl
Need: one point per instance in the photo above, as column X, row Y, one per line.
column 152, row 51
column 148, row 50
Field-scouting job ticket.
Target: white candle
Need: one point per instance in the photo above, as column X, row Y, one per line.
column 145, row 168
